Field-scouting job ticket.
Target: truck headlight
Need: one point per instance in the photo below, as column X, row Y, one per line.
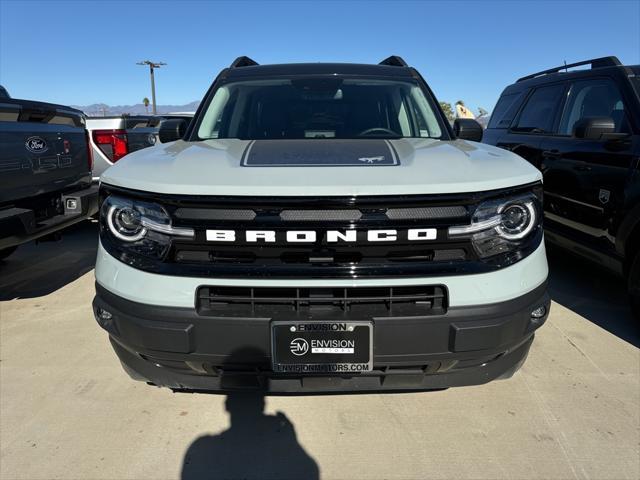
column 503, row 225
column 138, row 227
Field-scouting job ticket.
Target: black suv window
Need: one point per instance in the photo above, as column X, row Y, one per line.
column 593, row 98
column 538, row 113
column 505, row 110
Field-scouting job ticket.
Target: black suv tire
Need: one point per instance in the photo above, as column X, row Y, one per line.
column 634, row 285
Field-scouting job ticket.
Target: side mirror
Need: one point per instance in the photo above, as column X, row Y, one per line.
column 172, row 129
column 594, row 128
column 467, row 129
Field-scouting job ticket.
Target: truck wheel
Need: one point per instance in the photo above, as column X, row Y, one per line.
column 6, row 252
column 634, row 286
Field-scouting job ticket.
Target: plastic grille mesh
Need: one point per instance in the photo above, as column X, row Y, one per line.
column 319, row 215
column 426, row 213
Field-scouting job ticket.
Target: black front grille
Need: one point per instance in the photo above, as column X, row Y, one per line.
column 320, row 258
column 257, row 301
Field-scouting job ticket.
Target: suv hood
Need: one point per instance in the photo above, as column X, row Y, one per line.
column 321, row 167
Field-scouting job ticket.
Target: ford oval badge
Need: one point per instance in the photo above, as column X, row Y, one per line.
column 36, row 145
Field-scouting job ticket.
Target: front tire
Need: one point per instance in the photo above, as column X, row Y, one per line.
column 634, row 286
column 6, row 252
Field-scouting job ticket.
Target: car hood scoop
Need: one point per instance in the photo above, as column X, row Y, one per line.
column 319, row 153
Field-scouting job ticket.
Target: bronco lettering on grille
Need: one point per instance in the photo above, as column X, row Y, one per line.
column 311, row 236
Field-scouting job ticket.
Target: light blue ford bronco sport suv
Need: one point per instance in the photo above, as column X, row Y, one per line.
column 320, row 228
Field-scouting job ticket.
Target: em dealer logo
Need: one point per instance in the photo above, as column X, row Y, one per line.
column 299, row 346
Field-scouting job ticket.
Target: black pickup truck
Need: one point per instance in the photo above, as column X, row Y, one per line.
column 45, row 171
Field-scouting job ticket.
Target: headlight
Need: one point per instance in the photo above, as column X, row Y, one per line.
column 125, row 223
column 139, row 227
column 517, row 219
column 502, row 226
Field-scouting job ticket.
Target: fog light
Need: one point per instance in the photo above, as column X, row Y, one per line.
column 103, row 315
column 106, row 320
column 72, row 203
column 539, row 312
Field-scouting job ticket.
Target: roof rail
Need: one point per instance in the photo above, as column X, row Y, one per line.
column 394, row 61
column 243, row 62
column 595, row 63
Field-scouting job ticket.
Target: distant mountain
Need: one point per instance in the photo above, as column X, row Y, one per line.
column 100, row 109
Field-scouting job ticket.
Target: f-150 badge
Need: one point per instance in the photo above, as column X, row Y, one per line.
column 36, row 145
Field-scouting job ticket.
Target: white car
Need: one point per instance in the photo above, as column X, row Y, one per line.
column 321, row 228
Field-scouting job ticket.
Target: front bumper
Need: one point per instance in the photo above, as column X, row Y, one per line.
column 19, row 225
column 177, row 348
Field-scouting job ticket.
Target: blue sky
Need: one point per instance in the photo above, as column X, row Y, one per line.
column 76, row 52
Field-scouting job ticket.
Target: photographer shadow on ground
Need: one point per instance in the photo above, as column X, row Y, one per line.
column 255, row 445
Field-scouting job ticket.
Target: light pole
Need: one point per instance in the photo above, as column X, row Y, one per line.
column 152, row 66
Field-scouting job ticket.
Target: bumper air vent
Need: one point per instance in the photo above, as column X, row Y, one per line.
column 424, row 300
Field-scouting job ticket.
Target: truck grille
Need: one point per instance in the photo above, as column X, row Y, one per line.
column 319, row 258
column 424, row 300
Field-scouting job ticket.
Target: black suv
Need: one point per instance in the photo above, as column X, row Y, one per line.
column 581, row 128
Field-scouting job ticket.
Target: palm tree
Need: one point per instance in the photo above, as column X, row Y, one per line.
column 146, row 102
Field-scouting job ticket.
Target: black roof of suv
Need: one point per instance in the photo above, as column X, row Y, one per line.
column 601, row 62
column 393, row 66
column 292, row 69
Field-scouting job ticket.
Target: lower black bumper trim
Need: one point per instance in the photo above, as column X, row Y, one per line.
column 180, row 349
column 376, row 381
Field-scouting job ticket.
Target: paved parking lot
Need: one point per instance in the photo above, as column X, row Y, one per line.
column 68, row 411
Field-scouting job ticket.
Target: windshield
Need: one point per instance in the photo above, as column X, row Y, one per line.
column 319, row 107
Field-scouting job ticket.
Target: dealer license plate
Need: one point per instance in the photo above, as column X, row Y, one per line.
column 322, row 347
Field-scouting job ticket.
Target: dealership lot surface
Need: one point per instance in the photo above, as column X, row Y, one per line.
column 67, row 410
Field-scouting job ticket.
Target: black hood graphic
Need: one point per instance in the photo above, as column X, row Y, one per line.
column 369, row 152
